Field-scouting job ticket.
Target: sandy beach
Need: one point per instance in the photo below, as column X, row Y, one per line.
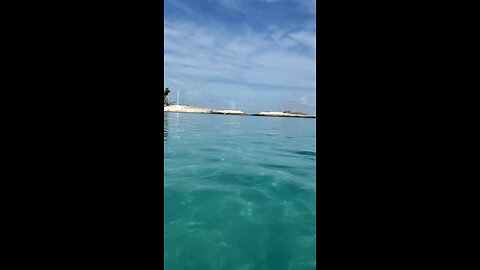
column 190, row 109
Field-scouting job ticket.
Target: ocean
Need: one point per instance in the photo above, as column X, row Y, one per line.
column 240, row 192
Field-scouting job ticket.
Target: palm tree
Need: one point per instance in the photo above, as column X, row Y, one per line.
column 166, row 91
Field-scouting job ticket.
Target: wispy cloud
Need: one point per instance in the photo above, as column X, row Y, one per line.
column 264, row 58
column 309, row 5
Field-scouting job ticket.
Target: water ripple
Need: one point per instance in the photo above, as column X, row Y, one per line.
column 240, row 192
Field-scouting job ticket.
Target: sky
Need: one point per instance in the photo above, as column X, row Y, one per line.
column 249, row 55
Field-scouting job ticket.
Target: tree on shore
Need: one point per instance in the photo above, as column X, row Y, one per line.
column 166, row 91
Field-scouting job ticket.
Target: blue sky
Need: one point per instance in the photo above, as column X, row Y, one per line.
column 249, row 55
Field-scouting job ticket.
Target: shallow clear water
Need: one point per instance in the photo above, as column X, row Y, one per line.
column 240, row 192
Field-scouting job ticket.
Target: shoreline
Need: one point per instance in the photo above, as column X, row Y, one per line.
column 191, row 109
column 284, row 114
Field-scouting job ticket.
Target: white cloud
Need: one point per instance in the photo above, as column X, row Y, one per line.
column 306, row 38
column 223, row 53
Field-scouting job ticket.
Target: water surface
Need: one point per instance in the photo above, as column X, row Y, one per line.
column 240, row 192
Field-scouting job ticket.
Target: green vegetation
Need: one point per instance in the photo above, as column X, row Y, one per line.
column 166, row 91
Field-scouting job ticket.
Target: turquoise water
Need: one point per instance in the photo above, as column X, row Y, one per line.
column 240, row 192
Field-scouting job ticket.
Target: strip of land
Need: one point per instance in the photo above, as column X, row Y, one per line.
column 285, row 114
column 191, row 109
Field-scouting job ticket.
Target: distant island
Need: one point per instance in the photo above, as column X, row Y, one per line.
column 168, row 107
